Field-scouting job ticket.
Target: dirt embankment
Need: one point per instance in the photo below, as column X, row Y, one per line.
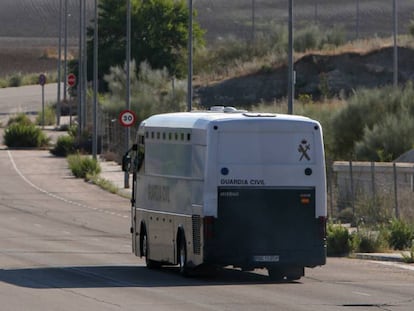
column 316, row 75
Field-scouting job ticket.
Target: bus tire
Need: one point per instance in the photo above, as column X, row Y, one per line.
column 151, row 264
column 288, row 274
column 182, row 255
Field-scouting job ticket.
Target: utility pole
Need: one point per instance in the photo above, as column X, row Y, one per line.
column 128, row 82
column 80, row 68
column 357, row 20
column 253, row 21
column 395, row 35
column 291, row 78
column 65, row 52
column 59, row 68
column 95, row 84
column 190, row 56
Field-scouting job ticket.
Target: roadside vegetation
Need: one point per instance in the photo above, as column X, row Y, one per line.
column 394, row 235
column 21, row 79
column 21, row 132
column 83, row 166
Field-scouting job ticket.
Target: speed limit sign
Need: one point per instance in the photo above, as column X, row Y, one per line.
column 127, row 118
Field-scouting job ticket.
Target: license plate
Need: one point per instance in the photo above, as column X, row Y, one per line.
column 266, row 258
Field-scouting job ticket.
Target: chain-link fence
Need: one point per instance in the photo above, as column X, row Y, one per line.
column 370, row 192
column 248, row 18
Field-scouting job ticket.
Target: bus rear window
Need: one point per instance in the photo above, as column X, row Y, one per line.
column 266, row 148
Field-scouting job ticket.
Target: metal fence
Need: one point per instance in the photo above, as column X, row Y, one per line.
column 371, row 191
column 247, row 18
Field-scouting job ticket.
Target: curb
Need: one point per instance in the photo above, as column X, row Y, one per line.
column 395, row 257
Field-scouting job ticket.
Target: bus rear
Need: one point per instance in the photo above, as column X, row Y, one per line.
column 266, row 207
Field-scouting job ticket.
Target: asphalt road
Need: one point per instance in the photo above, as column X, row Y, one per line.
column 64, row 245
column 27, row 99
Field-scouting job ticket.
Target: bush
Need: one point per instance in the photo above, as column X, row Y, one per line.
column 368, row 241
column 83, row 166
column 21, row 135
column 346, row 216
column 15, row 80
column 65, row 146
column 21, row 118
column 338, row 240
column 367, row 119
column 379, row 143
column 401, row 235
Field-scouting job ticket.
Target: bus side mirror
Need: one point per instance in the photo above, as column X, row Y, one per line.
column 126, row 162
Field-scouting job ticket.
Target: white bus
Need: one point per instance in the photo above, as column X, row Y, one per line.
column 229, row 188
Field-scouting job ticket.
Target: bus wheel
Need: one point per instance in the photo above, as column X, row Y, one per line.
column 288, row 274
column 151, row 264
column 275, row 274
column 182, row 256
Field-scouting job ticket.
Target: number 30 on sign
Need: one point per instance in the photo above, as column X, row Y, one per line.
column 127, row 118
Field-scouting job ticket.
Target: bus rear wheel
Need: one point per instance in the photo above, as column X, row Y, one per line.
column 182, row 256
column 288, row 274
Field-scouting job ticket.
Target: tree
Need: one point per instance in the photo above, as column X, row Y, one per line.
column 159, row 35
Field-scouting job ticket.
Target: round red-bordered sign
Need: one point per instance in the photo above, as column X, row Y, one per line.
column 127, row 118
column 71, row 80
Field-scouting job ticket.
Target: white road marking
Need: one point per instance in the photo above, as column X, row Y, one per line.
column 57, row 196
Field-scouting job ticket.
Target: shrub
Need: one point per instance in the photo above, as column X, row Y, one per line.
column 379, row 143
column 21, row 135
column 83, row 166
column 15, row 80
column 401, row 234
column 346, row 215
column 338, row 240
column 368, row 241
column 361, row 119
column 65, row 146
column 151, row 94
column 21, row 118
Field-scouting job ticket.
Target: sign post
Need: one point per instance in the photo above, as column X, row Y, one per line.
column 42, row 82
column 127, row 119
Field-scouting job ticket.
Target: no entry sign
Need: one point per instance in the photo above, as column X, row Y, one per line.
column 71, row 80
column 127, row 118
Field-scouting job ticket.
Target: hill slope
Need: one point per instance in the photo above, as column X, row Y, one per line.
column 316, row 75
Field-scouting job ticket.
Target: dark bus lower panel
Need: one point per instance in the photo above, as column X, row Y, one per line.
column 265, row 228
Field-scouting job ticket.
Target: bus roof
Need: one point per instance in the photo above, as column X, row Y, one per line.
column 201, row 119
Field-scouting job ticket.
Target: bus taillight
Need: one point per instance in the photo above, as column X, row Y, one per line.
column 208, row 227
